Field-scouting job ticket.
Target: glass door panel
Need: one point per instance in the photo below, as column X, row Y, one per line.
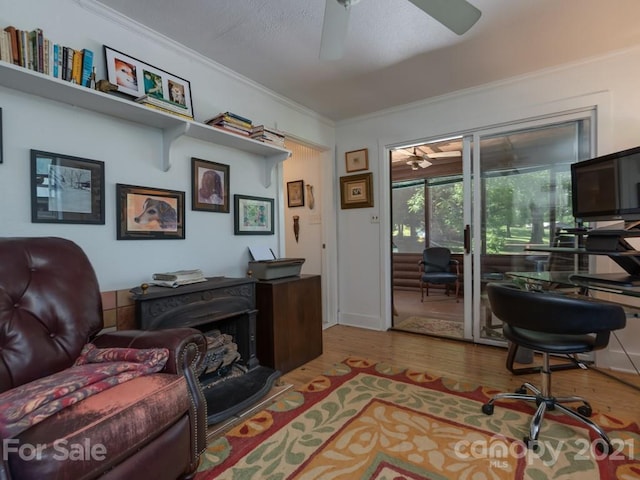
column 523, row 195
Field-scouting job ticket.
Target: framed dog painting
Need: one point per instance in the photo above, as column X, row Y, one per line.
column 146, row 213
column 66, row 189
column 209, row 186
column 137, row 79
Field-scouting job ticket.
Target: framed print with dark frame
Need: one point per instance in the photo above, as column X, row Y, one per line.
column 66, row 189
column 356, row 191
column 146, row 213
column 295, row 193
column 209, row 186
column 252, row 215
column 136, row 78
column 357, row 160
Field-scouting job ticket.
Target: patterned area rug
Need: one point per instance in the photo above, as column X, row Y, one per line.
column 431, row 326
column 363, row 420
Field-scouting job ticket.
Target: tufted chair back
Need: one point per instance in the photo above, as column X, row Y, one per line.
column 50, row 306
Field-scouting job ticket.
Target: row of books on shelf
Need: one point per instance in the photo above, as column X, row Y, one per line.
column 234, row 123
column 163, row 105
column 34, row 51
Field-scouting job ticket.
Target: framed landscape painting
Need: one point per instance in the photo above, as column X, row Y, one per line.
column 66, row 189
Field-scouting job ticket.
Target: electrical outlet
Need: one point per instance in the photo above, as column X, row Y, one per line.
column 375, row 218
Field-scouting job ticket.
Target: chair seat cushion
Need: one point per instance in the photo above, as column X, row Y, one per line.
column 440, row 277
column 100, row 431
column 548, row 342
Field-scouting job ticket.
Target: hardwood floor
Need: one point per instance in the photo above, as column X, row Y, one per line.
column 463, row 361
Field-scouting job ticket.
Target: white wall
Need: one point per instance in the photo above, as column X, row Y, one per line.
column 363, row 247
column 131, row 152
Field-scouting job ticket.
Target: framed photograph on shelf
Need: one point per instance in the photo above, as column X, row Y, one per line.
column 66, row 189
column 357, row 160
column 146, row 213
column 136, row 78
column 356, row 191
column 209, row 186
column 253, row 215
column 295, row 193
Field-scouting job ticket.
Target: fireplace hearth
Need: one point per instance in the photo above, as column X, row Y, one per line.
column 219, row 306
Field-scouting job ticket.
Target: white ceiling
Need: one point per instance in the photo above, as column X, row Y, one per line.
column 395, row 53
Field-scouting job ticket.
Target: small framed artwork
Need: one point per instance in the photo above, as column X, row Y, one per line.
column 253, row 215
column 295, row 193
column 209, row 186
column 146, row 213
column 356, row 191
column 66, row 189
column 137, row 79
column 357, row 160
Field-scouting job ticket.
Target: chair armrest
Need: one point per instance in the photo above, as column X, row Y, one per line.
column 455, row 262
column 187, row 346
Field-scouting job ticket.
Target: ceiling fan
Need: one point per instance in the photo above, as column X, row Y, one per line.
column 420, row 159
column 457, row 15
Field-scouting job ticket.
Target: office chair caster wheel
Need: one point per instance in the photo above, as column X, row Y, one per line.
column 521, row 390
column 531, row 444
column 603, row 448
column 487, row 408
column 584, row 410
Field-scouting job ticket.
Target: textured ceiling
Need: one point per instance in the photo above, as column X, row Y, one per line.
column 395, row 53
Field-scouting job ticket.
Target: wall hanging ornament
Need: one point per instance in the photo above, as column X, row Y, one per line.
column 296, row 227
column 310, row 199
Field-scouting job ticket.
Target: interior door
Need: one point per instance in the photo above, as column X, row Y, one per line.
column 522, row 199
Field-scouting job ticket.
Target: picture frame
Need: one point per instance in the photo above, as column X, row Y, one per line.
column 136, row 79
column 66, row 189
column 209, row 186
column 253, row 215
column 356, row 191
column 357, row 160
column 147, row 213
column 295, row 193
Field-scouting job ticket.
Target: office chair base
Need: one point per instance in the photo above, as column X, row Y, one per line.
column 545, row 403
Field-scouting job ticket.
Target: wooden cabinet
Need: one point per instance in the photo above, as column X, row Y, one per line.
column 289, row 322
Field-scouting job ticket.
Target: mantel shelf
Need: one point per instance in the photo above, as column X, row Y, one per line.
column 45, row 86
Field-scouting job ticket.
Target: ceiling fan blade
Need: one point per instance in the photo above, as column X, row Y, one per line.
column 334, row 30
column 449, row 154
column 457, row 15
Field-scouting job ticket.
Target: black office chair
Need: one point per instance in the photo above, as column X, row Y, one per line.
column 436, row 266
column 552, row 323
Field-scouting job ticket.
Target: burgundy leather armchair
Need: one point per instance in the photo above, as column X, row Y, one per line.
column 152, row 426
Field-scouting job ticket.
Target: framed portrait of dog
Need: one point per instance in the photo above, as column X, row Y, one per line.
column 209, row 186
column 146, row 213
column 138, row 79
column 66, row 189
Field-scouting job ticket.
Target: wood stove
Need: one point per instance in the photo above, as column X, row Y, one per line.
column 225, row 306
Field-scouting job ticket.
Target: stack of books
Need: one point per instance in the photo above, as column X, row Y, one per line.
column 177, row 278
column 163, row 105
column 32, row 50
column 267, row 135
column 232, row 122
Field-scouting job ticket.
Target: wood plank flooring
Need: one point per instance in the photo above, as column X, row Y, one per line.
column 463, row 361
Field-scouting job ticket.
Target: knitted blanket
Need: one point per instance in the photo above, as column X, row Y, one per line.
column 96, row 369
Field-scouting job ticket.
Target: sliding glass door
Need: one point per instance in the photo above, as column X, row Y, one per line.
column 522, row 191
column 490, row 197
